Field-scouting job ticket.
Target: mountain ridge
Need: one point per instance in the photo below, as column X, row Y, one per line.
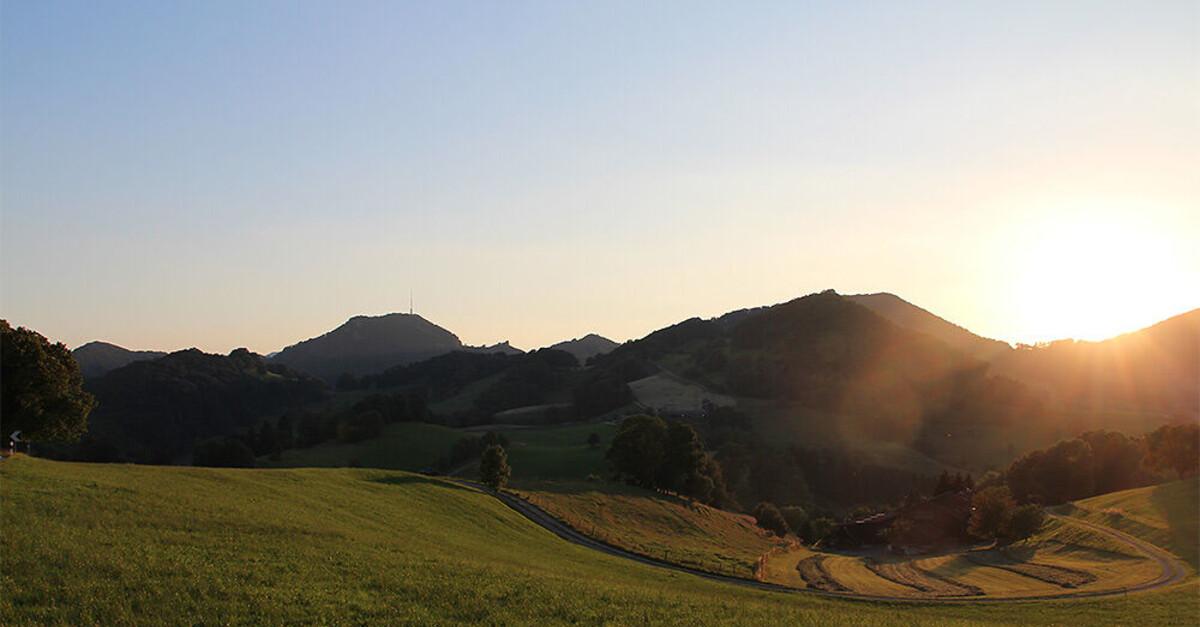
column 97, row 358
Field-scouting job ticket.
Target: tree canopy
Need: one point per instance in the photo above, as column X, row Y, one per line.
column 493, row 467
column 648, row 453
column 42, row 394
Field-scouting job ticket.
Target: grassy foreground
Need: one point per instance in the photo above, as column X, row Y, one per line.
column 112, row 544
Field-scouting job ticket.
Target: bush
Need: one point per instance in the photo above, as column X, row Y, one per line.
column 1025, row 521
column 768, row 517
column 798, row 521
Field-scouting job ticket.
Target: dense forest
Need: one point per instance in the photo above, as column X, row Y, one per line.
column 156, row 410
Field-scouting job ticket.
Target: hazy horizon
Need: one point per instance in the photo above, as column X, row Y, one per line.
column 223, row 175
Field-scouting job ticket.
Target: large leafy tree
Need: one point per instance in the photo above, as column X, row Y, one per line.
column 992, row 511
column 41, row 389
column 638, row 450
column 1176, row 447
column 493, row 467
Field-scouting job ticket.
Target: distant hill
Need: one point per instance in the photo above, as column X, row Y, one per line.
column 97, row 358
column 586, row 347
column 159, row 408
column 914, row 318
column 485, row 383
column 502, row 347
column 1156, row 369
column 369, row 344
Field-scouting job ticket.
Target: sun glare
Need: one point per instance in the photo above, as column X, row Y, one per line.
column 1094, row 276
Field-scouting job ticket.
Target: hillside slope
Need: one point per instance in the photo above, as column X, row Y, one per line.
column 1156, row 369
column 914, row 318
column 586, row 347
column 369, row 344
column 107, row 544
column 97, row 358
column 1164, row 515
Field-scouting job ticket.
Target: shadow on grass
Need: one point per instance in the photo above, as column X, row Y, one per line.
column 405, row 480
column 1177, row 503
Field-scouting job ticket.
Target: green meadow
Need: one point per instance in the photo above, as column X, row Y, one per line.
column 1165, row 515
column 401, row 446
column 117, row 544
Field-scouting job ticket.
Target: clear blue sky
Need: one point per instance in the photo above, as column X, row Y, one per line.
column 225, row 174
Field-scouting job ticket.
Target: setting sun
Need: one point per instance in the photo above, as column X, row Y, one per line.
column 1094, row 275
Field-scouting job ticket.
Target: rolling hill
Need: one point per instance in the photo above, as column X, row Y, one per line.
column 369, row 344
column 1156, row 370
column 586, row 347
column 912, row 317
column 97, row 358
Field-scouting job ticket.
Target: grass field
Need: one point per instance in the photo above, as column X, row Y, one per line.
column 403, row 446
column 117, row 544
column 1163, row 515
column 1062, row 558
column 553, row 454
column 662, row 527
column 667, row 392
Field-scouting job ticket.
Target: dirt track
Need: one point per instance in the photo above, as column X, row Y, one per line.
column 1173, row 570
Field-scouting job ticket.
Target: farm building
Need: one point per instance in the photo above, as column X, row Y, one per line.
column 913, row 529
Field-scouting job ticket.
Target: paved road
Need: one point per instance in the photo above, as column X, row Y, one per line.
column 1173, row 570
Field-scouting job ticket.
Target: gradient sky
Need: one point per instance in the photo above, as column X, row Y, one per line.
column 225, row 174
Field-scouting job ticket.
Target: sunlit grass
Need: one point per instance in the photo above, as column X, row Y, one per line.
column 663, row 527
column 1164, row 515
column 113, row 544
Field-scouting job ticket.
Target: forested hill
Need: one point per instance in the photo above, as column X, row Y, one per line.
column 912, row 317
column 151, row 410
column 97, row 358
column 1156, row 369
column 369, row 344
column 586, row 347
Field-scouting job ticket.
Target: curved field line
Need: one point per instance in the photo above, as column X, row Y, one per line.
column 1173, row 570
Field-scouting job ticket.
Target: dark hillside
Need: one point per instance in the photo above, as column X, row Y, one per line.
column 508, row 381
column 1156, row 369
column 909, row 316
column 369, row 344
column 161, row 407
column 586, row 347
column 97, row 358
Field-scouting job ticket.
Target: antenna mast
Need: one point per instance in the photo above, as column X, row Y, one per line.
column 410, row 302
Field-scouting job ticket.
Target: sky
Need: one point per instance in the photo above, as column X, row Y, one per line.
column 230, row 174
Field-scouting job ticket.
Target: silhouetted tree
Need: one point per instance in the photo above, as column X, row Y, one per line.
column 41, row 390
column 638, row 450
column 684, row 458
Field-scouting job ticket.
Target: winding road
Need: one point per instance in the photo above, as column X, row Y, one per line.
column 1173, row 570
